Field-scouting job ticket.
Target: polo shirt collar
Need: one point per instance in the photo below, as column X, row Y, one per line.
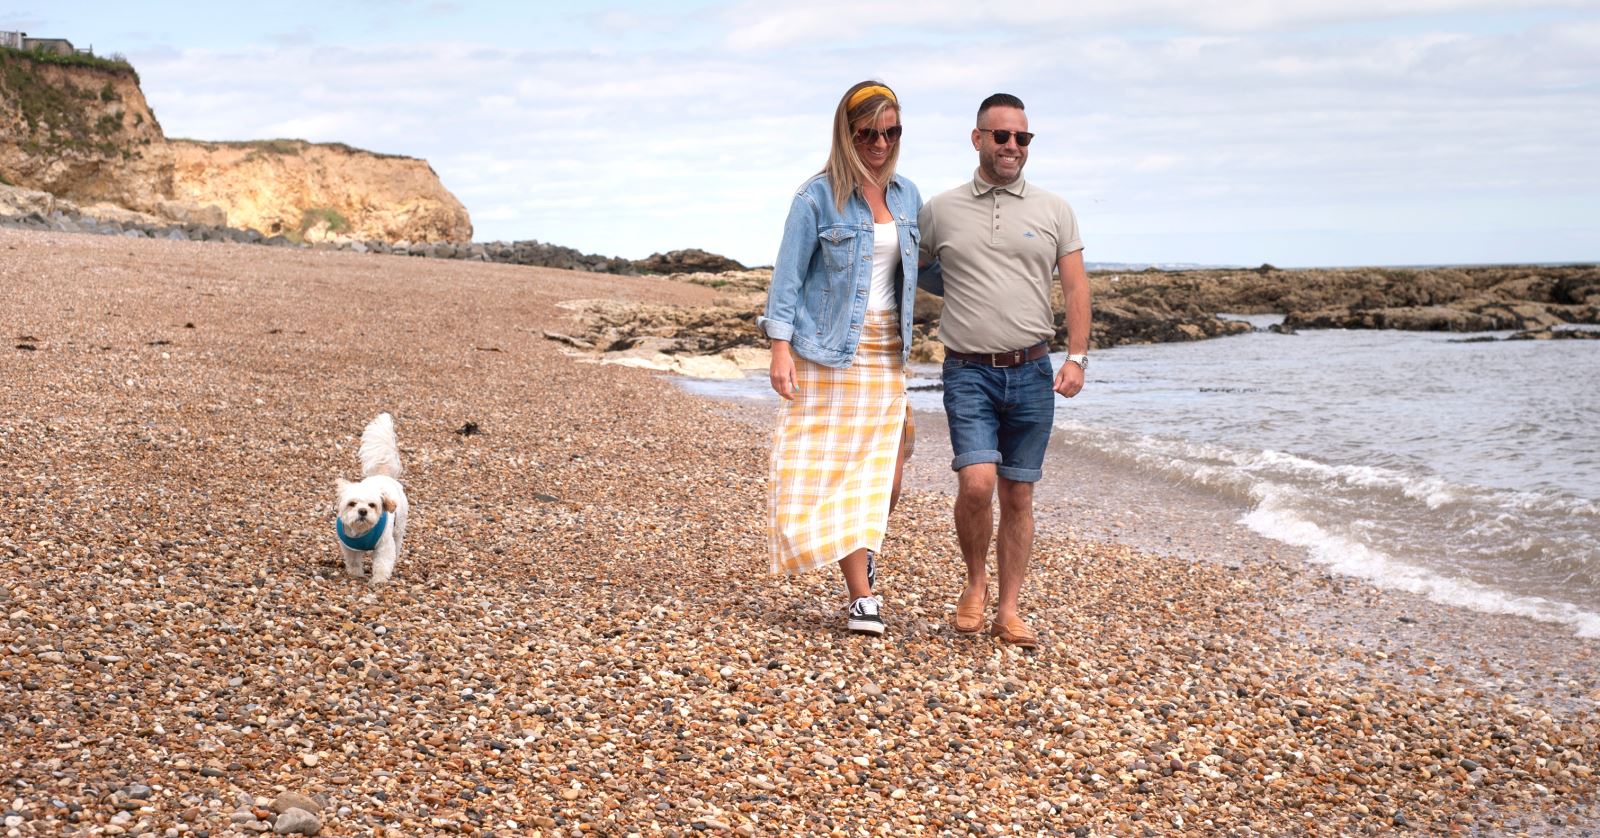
column 1018, row 187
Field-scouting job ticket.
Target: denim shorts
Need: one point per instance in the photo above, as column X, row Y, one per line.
column 1000, row 415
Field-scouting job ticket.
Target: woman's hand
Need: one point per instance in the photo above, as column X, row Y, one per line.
column 781, row 371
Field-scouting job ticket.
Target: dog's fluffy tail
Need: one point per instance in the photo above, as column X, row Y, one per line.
column 380, row 450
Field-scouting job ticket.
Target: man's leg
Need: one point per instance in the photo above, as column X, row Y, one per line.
column 1024, row 435
column 1015, row 543
column 970, row 395
column 975, row 525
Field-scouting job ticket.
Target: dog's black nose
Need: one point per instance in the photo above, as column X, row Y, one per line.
column 361, row 513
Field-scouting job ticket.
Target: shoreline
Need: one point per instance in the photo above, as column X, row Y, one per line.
column 1513, row 655
column 582, row 632
column 1388, row 633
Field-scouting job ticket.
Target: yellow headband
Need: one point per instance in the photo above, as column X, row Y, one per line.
column 864, row 93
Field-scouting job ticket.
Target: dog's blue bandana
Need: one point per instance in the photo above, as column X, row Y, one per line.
column 365, row 542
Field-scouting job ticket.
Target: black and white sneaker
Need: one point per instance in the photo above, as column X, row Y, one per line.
column 865, row 617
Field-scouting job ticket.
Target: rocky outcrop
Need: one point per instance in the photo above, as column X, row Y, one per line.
column 688, row 261
column 718, row 341
column 1161, row 307
column 614, row 327
column 1473, row 299
column 1435, row 299
column 716, row 271
column 1116, row 322
column 1556, row 334
column 542, row 255
column 80, row 129
column 319, row 190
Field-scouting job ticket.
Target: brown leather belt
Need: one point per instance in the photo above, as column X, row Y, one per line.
column 1014, row 358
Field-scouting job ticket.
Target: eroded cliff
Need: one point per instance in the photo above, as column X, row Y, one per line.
column 319, row 190
column 81, row 130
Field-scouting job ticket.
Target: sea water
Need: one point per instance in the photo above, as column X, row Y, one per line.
column 1464, row 470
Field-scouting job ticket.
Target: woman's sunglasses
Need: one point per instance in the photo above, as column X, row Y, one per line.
column 869, row 136
column 1001, row 137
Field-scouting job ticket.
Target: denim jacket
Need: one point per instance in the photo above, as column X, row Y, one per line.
column 818, row 297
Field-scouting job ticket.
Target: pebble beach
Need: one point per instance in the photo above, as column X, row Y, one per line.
column 581, row 636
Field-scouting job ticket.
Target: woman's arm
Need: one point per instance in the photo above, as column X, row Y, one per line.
column 781, row 370
column 789, row 271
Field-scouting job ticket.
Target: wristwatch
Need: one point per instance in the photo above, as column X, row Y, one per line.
column 1081, row 360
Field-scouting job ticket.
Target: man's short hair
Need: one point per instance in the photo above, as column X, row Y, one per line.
column 1000, row 100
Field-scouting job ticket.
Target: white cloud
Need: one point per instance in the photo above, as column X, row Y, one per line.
column 763, row 25
column 1150, row 115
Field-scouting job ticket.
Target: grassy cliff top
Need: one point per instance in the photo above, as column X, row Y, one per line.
column 116, row 64
column 285, row 146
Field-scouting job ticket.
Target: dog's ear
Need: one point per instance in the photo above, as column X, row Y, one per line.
column 341, row 484
column 388, row 503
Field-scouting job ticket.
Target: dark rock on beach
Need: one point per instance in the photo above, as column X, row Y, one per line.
column 1122, row 321
column 1556, row 334
column 1469, row 299
column 688, row 261
column 1154, row 306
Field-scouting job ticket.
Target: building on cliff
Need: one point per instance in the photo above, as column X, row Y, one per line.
column 59, row 46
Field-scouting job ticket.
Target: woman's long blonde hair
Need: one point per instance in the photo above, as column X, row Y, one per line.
column 846, row 171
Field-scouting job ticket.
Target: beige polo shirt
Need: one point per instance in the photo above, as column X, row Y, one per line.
column 998, row 247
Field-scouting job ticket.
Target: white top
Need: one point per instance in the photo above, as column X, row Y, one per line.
column 885, row 260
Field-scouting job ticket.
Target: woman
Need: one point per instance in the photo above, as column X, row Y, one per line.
column 839, row 317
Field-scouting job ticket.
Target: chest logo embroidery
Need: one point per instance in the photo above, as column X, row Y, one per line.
column 1027, row 234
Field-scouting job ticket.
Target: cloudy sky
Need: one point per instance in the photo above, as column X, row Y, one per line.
column 1318, row 132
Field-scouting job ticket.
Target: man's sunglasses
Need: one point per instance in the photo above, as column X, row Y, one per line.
column 869, row 136
column 1001, row 137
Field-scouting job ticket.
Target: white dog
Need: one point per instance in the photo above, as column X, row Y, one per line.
column 371, row 515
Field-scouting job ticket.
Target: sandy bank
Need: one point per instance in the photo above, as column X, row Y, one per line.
column 583, row 633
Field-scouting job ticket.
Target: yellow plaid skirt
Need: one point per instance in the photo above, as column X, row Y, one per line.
column 833, row 453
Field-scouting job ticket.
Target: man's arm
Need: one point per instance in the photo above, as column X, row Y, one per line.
column 930, row 274
column 930, row 278
column 1075, row 294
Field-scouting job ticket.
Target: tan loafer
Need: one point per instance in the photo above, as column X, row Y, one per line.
column 1015, row 632
column 969, row 616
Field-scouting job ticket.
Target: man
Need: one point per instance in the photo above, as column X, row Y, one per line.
column 996, row 242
